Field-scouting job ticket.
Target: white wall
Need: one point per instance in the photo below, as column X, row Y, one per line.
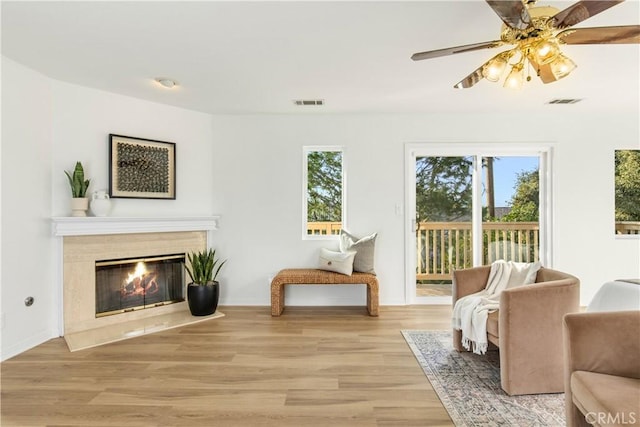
column 82, row 121
column 584, row 241
column 27, row 265
column 259, row 161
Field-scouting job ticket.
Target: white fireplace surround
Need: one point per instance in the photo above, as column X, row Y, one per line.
column 101, row 226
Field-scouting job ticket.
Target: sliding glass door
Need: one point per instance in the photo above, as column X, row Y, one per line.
column 468, row 207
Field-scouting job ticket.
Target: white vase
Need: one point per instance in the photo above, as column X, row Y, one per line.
column 79, row 206
column 100, row 203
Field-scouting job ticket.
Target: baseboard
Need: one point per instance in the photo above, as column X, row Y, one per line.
column 27, row 344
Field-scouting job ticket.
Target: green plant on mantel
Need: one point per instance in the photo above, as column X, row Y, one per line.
column 77, row 182
column 203, row 266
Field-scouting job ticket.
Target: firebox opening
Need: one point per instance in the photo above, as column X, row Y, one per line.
column 129, row 284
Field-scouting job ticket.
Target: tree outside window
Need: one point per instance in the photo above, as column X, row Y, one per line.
column 627, row 191
column 324, row 195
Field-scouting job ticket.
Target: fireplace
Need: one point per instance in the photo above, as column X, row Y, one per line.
column 84, row 241
column 129, row 284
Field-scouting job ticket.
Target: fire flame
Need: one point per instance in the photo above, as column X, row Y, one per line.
column 140, row 282
column 138, row 273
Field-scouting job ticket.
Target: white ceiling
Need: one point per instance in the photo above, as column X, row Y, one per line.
column 257, row 57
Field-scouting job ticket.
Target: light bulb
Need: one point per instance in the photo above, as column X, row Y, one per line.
column 494, row 68
column 515, row 79
column 562, row 66
column 546, row 51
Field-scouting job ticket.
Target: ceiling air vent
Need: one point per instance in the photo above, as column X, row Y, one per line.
column 309, row 102
column 564, row 101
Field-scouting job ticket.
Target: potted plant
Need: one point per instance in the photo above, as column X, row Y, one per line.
column 79, row 186
column 203, row 291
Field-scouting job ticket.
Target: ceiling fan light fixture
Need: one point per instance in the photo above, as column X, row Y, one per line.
column 515, row 79
column 562, row 66
column 537, row 34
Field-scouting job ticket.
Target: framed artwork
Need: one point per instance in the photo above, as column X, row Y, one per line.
column 141, row 168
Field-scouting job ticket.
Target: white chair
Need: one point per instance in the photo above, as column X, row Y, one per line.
column 618, row 295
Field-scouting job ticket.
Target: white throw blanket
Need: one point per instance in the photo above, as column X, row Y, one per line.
column 470, row 312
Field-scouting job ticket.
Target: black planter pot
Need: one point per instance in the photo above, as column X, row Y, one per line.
column 203, row 299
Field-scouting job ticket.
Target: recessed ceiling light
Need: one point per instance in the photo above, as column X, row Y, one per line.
column 166, row 82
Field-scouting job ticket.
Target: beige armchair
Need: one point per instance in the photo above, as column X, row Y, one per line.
column 602, row 368
column 527, row 328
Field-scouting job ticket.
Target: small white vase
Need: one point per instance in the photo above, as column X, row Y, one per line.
column 100, row 203
column 79, row 206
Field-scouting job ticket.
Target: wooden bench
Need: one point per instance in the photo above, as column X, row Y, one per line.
column 309, row 276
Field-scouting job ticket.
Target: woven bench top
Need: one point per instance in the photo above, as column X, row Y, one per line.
column 310, row 276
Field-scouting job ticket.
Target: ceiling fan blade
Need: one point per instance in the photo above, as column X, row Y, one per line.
column 602, row 35
column 457, row 49
column 470, row 80
column 580, row 11
column 512, row 12
column 544, row 72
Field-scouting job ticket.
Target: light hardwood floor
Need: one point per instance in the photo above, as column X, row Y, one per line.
column 309, row 367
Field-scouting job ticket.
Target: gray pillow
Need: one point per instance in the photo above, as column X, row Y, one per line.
column 364, row 247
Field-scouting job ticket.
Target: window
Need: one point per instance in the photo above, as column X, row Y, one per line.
column 323, row 192
column 627, row 183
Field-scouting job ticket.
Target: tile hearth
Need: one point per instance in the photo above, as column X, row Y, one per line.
column 122, row 331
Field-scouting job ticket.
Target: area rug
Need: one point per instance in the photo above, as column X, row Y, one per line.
column 469, row 386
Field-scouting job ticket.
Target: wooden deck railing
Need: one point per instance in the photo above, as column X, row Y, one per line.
column 445, row 246
column 323, row 228
column 628, row 227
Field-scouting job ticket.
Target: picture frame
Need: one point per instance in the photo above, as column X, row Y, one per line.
column 141, row 168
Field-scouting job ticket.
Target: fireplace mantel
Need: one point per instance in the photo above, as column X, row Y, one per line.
column 84, row 226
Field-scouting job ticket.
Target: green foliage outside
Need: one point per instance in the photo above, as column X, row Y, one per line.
column 324, row 186
column 627, row 184
column 443, row 188
column 525, row 202
column 443, row 192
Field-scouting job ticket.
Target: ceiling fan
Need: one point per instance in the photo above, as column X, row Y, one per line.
column 537, row 33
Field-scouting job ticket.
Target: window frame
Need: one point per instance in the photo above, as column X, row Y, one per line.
column 305, row 155
column 615, row 204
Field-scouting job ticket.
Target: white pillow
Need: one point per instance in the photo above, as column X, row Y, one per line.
column 365, row 248
column 338, row 262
